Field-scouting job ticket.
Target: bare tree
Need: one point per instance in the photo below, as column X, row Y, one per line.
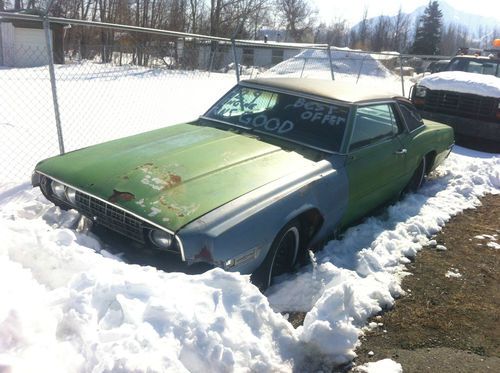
column 454, row 37
column 360, row 35
column 380, row 35
column 297, row 17
column 337, row 33
column 400, row 32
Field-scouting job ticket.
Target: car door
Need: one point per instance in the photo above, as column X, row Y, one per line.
column 376, row 159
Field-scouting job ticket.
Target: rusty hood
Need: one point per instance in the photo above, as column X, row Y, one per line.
column 176, row 174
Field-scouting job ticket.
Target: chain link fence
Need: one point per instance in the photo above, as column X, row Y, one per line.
column 76, row 83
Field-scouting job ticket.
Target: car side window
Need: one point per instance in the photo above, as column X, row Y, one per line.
column 372, row 124
column 411, row 116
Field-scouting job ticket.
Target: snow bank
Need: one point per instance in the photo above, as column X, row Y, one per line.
column 464, row 82
column 70, row 309
column 359, row 275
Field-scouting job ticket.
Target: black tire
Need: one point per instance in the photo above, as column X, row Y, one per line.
column 281, row 258
column 417, row 178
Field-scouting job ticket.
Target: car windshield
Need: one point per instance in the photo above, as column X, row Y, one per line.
column 297, row 119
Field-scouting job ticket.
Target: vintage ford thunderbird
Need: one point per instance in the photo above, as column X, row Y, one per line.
column 274, row 167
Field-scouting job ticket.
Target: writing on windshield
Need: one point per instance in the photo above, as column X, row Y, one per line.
column 295, row 118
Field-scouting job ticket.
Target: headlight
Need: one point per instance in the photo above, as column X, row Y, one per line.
column 70, row 195
column 58, row 190
column 160, row 238
column 420, row 91
column 229, row 263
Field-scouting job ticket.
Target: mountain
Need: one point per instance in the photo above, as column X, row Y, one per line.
column 458, row 17
column 450, row 16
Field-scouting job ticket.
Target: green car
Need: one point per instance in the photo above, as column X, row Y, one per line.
column 274, row 167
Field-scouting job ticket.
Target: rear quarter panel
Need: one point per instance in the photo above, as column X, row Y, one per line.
column 433, row 138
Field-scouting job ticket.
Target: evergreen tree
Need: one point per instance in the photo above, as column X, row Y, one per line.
column 428, row 35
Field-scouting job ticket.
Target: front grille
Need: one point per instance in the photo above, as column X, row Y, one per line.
column 462, row 104
column 111, row 217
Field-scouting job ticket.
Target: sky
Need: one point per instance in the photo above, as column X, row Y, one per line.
column 352, row 10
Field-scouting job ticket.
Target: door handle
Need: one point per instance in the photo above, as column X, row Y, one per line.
column 401, row 151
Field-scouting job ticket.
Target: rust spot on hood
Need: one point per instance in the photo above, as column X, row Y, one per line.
column 146, row 166
column 178, row 209
column 171, row 180
column 120, row 196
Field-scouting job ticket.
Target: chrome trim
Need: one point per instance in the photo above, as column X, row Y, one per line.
column 403, row 119
column 383, row 141
column 181, row 247
column 419, row 127
column 244, row 258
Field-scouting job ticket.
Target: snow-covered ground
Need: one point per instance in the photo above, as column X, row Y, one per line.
column 97, row 103
column 70, row 306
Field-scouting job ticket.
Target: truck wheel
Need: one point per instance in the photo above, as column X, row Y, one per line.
column 281, row 257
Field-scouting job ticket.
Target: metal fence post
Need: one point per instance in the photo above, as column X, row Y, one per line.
column 331, row 62
column 50, row 55
column 303, row 66
column 361, row 67
column 236, row 64
column 401, row 74
column 213, row 50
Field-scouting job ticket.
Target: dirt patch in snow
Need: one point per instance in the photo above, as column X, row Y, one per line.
column 447, row 323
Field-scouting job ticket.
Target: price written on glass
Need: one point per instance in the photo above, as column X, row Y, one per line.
column 318, row 113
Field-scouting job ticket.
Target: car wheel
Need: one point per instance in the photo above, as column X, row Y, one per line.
column 281, row 257
column 417, row 178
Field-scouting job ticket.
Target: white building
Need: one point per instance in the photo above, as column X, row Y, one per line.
column 22, row 43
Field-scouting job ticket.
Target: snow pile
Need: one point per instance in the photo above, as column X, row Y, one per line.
column 381, row 366
column 493, row 245
column 464, row 82
column 492, row 240
column 359, row 275
column 98, row 314
column 346, row 62
column 453, row 273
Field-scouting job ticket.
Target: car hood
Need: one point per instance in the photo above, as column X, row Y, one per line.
column 176, row 174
